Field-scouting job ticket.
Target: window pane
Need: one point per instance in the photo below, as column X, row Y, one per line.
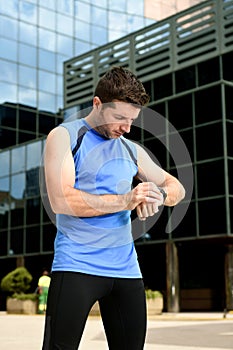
column 8, row 92
column 99, row 35
column 80, row 9
column 64, row 24
column 47, row 60
column 65, row 6
column 33, row 155
column 118, row 5
column 99, row 16
column 136, row 10
column 47, row 19
column 27, row 54
column 16, row 241
column 64, row 45
column 27, row 77
column 214, row 147
column 47, row 81
column 33, row 239
column 28, row 11
column 9, row 7
column 5, row 163
column 5, row 24
column 27, row 120
column 18, row 186
column 27, row 96
column 48, row 3
column 18, row 159
column 47, row 39
column 47, row 102
column 27, row 33
column 82, row 30
column 32, row 183
column 8, row 71
column 8, row 49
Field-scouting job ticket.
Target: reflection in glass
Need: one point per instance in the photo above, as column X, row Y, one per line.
column 27, row 96
column 99, row 35
column 47, row 102
column 27, row 76
column 8, row 49
column 51, row 4
column 27, row 11
column 27, row 54
column 5, row 24
column 18, row 159
column 65, row 45
column 4, row 202
column 27, row 33
column 99, row 16
column 80, row 9
column 65, row 6
column 59, row 63
column 33, row 155
column 81, row 47
column 47, row 81
column 18, row 186
column 118, row 21
column 47, row 60
column 136, row 10
column 47, row 39
column 118, row 5
column 82, row 30
column 5, row 163
column 47, row 19
column 10, row 7
column 64, row 24
column 8, row 92
column 134, row 23
column 8, row 71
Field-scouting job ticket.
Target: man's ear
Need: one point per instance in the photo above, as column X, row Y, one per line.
column 96, row 102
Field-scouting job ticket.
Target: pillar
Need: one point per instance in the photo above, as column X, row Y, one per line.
column 173, row 284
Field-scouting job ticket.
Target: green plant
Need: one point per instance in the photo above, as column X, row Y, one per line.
column 153, row 294
column 17, row 282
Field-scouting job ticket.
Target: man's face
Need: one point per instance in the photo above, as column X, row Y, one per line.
column 116, row 118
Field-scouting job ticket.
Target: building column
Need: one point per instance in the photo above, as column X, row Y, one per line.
column 173, row 284
column 229, row 277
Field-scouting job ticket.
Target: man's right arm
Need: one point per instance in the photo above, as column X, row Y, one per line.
column 60, row 180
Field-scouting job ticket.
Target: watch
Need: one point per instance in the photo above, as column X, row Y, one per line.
column 164, row 193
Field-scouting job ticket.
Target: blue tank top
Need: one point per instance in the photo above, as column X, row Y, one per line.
column 101, row 245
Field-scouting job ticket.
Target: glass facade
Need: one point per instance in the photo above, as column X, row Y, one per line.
column 43, row 34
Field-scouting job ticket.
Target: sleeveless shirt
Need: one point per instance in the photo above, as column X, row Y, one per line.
column 100, row 245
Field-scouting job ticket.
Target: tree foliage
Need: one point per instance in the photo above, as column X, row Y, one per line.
column 17, row 281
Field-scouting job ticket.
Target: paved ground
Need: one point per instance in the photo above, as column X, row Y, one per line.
column 181, row 331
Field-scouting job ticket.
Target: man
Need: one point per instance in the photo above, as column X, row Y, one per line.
column 89, row 170
column 43, row 287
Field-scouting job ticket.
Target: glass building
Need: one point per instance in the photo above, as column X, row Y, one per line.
column 185, row 62
column 36, row 38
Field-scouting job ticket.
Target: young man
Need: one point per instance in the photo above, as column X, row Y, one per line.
column 89, row 170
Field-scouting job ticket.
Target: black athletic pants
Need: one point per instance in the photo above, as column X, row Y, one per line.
column 71, row 296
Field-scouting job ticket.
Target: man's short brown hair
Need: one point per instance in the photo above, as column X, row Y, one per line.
column 121, row 84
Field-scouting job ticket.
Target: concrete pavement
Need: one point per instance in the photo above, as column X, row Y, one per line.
column 182, row 331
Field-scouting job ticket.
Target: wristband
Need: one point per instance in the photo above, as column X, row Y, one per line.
column 164, row 193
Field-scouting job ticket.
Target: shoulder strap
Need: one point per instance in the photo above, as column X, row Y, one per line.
column 82, row 131
column 129, row 150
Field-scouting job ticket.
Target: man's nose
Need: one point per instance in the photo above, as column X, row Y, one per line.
column 126, row 127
